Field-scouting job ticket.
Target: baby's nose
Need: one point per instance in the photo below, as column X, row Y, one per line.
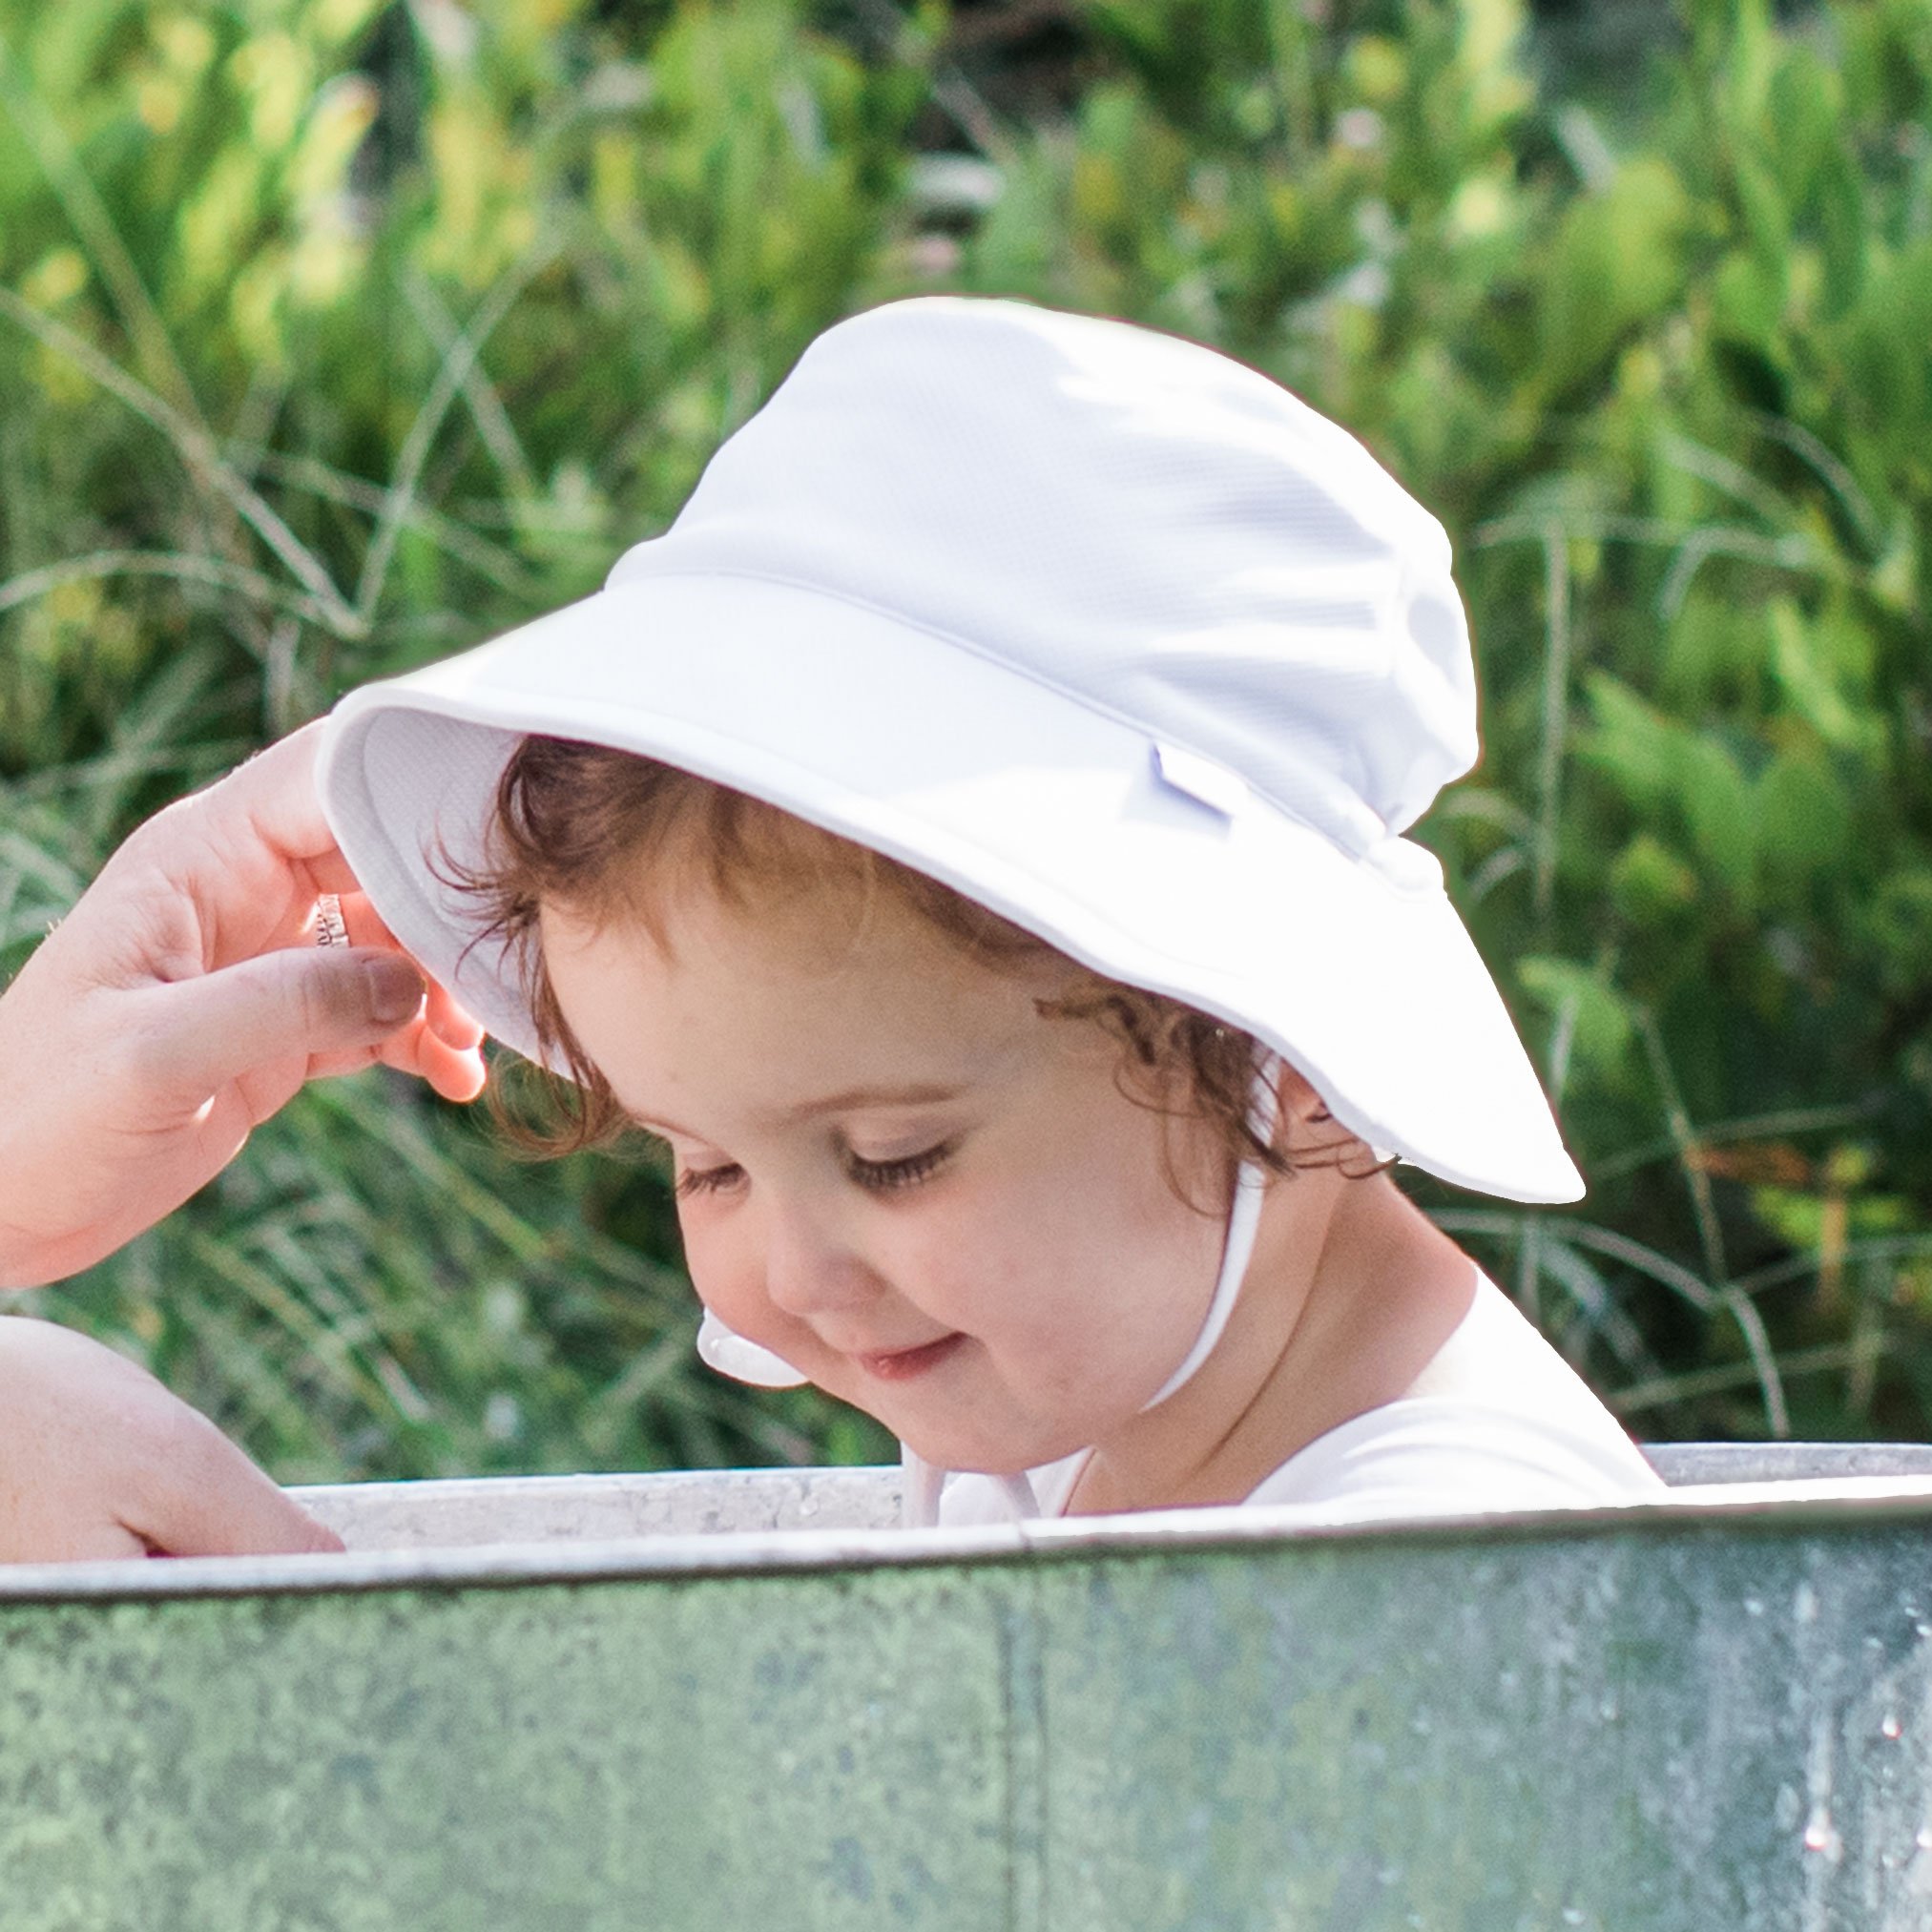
column 809, row 1272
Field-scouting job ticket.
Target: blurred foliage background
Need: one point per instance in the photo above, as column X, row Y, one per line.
column 338, row 334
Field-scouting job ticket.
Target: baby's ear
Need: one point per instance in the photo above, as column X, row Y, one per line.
column 1299, row 1101
column 1323, row 1141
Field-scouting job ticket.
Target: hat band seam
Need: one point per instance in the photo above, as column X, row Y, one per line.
column 1100, row 708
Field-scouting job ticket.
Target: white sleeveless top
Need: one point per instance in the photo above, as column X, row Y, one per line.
column 1497, row 1421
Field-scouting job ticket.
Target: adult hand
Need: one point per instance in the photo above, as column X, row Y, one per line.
column 182, row 1002
column 98, row 1459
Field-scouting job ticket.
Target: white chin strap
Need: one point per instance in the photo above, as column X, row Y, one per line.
column 1237, row 1250
column 729, row 1352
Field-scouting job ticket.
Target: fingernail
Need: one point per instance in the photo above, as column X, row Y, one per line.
column 395, row 991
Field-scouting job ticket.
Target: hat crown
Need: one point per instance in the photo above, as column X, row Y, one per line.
column 1098, row 628
column 1144, row 524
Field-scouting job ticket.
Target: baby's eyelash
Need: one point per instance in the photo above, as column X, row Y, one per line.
column 879, row 1175
column 707, row 1180
column 886, row 1175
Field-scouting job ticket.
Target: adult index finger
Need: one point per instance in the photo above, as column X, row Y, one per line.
column 272, row 795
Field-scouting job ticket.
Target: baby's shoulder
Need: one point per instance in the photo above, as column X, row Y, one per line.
column 1496, row 1359
column 1497, row 1420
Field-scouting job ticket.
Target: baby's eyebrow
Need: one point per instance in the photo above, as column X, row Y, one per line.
column 918, row 1093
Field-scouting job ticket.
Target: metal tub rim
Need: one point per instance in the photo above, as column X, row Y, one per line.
column 1844, row 1503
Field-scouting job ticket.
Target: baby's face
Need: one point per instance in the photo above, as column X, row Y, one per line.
column 894, row 1173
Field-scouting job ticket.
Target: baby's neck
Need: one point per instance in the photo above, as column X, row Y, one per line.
column 1350, row 1294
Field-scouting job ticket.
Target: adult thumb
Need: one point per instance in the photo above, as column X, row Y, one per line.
column 303, row 1001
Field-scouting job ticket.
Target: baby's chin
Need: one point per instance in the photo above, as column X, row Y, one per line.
column 971, row 1446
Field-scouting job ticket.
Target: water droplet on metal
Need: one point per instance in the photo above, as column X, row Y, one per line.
column 1923, row 1839
column 1753, row 1607
column 1818, row 1835
column 1607, row 1710
column 1889, row 1725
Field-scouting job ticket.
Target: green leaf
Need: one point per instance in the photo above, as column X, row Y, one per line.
column 1650, row 883
column 1582, row 999
column 1617, row 261
column 1634, row 743
column 1803, row 820
column 1716, row 799
column 1805, row 678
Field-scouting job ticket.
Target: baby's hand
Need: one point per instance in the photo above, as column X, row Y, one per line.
column 98, row 1459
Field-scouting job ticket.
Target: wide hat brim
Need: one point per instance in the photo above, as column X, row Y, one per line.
column 1033, row 802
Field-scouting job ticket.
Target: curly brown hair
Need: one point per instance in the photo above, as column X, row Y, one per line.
column 572, row 823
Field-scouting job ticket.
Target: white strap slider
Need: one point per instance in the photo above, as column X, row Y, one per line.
column 1201, row 780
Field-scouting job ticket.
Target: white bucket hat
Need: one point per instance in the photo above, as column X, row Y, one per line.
column 1103, row 629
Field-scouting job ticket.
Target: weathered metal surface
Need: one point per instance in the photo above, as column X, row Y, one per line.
column 1685, row 1463
column 1713, row 1715
column 437, row 1515
column 466, row 1511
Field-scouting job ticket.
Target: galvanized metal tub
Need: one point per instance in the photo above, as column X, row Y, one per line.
column 1713, row 1713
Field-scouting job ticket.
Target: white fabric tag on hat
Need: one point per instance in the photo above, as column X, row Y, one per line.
column 1201, row 780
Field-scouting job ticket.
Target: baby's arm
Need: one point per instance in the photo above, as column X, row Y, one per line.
column 98, row 1459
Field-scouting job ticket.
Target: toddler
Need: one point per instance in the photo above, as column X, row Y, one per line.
column 972, row 838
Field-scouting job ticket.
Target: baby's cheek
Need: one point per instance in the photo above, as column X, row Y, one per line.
column 987, row 1278
column 718, row 1268
column 727, row 1267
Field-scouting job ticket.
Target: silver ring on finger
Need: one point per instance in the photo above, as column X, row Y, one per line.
column 330, row 928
